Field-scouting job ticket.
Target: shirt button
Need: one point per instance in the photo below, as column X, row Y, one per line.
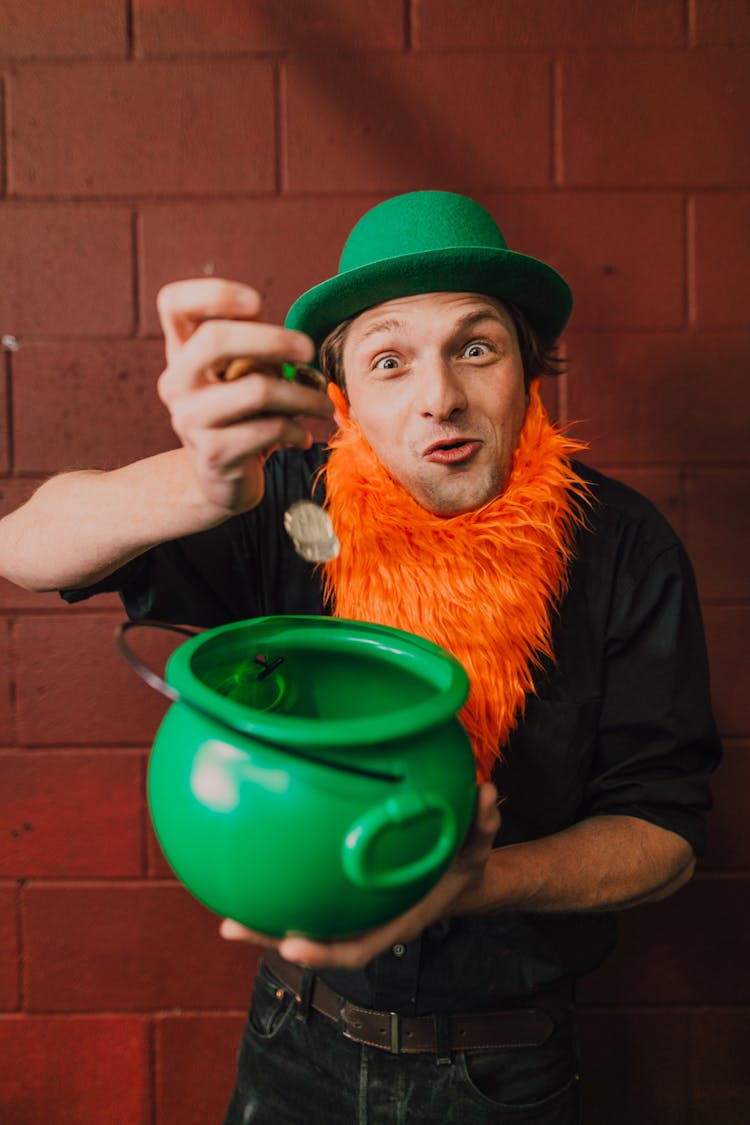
column 398, row 950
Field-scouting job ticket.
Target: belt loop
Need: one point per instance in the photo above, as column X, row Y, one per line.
column 395, row 1029
column 441, row 1023
column 304, row 996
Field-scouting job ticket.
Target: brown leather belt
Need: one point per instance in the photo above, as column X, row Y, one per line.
column 529, row 1026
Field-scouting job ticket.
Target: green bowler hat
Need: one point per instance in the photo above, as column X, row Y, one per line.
column 431, row 242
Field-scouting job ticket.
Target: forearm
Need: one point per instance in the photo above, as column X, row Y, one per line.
column 603, row 863
column 81, row 526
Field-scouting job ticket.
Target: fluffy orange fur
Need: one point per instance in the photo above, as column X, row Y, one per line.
column 483, row 585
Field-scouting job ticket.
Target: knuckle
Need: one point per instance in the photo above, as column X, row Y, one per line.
column 209, row 338
column 164, row 386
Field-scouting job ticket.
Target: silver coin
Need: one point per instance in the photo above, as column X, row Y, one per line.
column 310, row 529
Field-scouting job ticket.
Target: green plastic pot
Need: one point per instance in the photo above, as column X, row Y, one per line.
column 311, row 775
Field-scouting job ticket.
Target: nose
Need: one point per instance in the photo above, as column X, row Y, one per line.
column 440, row 390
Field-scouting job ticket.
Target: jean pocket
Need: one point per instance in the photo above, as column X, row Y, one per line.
column 484, row 1074
column 271, row 1006
column 536, row 1084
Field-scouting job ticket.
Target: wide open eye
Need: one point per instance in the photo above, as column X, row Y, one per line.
column 476, row 349
column 387, row 363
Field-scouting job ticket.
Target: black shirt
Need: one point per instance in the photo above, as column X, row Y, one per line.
column 621, row 723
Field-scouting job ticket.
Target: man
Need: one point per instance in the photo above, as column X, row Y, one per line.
column 463, row 517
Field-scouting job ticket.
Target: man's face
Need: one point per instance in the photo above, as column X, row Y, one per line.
column 436, row 385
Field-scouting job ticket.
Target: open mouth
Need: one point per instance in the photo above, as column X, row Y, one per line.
column 451, row 452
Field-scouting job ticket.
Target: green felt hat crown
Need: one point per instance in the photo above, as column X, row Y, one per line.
column 431, row 242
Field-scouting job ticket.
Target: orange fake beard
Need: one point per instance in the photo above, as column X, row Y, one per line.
column 484, row 584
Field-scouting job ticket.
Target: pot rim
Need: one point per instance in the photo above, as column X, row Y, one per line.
column 428, row 661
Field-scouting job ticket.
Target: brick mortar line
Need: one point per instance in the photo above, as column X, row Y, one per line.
column 135, row 274
column 673, row 1009
column 155, row 1014
column 151, row 1070
column 690, row 22
column 279, row 127
column 129, row 30
column 690, row 298
column 8, row 380
column 67, row 751
column 557, row 155
column 204, row 197
column 161, row 1014
column 410, row 25
column 162, row 882
column 248, row 55
column 4, row 132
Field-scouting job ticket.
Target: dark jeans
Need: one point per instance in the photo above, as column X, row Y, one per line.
column 304, row 1072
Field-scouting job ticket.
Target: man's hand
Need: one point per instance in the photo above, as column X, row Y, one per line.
column 228, row 429
column 458, row 892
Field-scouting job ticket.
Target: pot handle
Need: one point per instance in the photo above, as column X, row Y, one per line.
column 153, row 679
column 401, row 809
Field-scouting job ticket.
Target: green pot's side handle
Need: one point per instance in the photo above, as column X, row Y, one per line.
column 401, row 809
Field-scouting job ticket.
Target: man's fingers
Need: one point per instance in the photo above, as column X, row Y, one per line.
column 183, row 305
column 220, row 405
column 233, row 931
column 215, row 342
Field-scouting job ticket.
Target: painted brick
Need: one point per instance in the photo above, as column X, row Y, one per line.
column 129, row 948
column 3, row 145
column 722, row 258
column 657, row 118
column 394, row 122
column 668, row 952
column 280, row 246
column 719, row 541
column 595, row 240
column 15, row 491
column 68, row 29
column 728, row 839
column 156, row 863
column 195, row 1067
column 9, row 995
column 720, row 1078
column 136, row 129
column 727, row 632
column 4, row 420
column 663, row 488
column 644, row 1056
column 88, row 405
column 91, row 1070
column 551, row 396
column 650, row 398
column 71, row 268
column 75, row 689
column 71, row 814
column 229, row 26
column 7, row 716
column 721, row 21
column 531, row 24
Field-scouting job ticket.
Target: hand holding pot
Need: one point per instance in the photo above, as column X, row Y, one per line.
column 459, row 891
column 229, row 428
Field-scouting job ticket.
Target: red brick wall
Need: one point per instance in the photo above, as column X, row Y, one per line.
column 148, row 140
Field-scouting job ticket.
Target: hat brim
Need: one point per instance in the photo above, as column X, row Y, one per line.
column 538, row 290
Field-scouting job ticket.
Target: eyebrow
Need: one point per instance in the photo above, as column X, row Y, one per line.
column 486, row 312
column 388, row 324
column 393, row 324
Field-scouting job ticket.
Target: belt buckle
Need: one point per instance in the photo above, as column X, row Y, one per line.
column 395, row 1029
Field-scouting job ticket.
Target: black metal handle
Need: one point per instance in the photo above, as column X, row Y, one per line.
column 148, row 675
column 158, row 683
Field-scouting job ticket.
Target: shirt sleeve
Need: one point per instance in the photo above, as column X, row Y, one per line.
column 243, row 568
column 657, row 742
